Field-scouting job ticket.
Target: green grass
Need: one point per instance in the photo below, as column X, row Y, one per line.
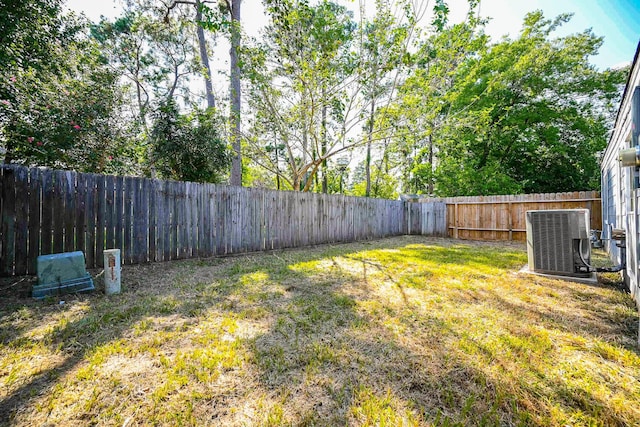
column 396, row 332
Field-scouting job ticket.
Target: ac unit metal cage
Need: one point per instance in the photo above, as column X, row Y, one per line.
column 558, row 242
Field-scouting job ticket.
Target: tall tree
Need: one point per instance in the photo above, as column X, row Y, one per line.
column 422, row 113
column 299, row 80
column 530, row 115
column 199, row 6
column 233, row 7
column 158, row 48
column 188, row 147
column 59, row 103
column 227, row 17
column 383, row 49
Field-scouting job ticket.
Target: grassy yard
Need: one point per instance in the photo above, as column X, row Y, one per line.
column 403, row 331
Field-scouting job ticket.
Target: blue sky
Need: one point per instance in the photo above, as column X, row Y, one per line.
column 618, row 21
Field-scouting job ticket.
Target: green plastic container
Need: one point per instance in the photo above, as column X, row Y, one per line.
column 60, row 274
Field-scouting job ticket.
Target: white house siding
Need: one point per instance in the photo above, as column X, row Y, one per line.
column 620, row 202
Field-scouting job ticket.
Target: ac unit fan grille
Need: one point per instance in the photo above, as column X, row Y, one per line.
column 555, row 240
column 552, row 242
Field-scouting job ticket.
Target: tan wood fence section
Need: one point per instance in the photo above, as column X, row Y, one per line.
column 503, row 217
column 43, row 211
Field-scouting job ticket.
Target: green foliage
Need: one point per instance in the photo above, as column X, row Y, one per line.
column 154, row 57
column 383, row 185
column 299, row 96
column 29, row 30
column 440, row 109
column 59, row 103
column 188, row 147
column 535, row 110
column 454, row 177
column 524, row 115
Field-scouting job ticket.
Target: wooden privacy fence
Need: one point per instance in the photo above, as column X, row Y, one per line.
column 503, row 217
column 45, row 211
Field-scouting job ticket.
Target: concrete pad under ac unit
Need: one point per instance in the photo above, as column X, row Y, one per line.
column 591, row 280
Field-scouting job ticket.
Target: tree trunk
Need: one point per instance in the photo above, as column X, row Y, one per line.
column 325, row 183
column 142, row 111
column 430, row 185
column 236, row 163
column 204, row 58
column 367, row 166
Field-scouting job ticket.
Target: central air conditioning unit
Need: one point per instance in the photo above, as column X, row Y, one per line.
column 558, row 242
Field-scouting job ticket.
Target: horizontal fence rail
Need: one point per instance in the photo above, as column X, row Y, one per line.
column 503, row 217
column 46, row 211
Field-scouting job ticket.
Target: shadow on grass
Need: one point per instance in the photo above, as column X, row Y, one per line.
column 443, row 375
column 338, row 345
column 104, row 320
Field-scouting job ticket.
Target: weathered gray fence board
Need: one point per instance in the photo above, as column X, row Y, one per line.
column 22, row 218
column 80, row 229
column 188, row 234
column 101, row 207
column 171, row 201
column 118, row 209
column 128, row 199
column 166, row 221
column 69, row 191
column 90, row 220
column 46, row 225
column 58, row 211
column 35, row 195
column 7, row 255
column 184, row 221
column 141, row 222
column 112, row 212
column 180, row 201
column 45, row 211
column 151, row 224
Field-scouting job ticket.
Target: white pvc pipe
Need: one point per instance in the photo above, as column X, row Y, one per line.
column 111, row 271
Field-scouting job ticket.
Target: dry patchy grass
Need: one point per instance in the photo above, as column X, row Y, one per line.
column 402, row 331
